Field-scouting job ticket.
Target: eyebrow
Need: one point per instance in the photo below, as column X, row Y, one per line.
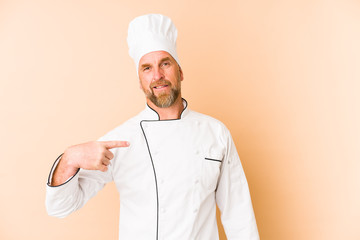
column 145, row 65
column 165, row 59
column 161, row 61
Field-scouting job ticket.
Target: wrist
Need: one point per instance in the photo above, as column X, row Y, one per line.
column 68, row 161
column 62, row 172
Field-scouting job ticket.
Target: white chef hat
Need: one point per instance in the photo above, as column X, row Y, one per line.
column 149, row 33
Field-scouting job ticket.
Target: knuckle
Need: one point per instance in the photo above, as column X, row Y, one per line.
column 100, row 154
column 97, row 165
column 102, row 150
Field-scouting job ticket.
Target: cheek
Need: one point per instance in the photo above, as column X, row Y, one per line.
column 144, row 85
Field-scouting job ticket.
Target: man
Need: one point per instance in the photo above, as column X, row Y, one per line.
column 175, row 164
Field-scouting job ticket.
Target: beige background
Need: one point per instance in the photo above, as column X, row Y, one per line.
column 282, row 75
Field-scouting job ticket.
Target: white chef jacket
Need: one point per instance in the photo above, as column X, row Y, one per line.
column 169, row 180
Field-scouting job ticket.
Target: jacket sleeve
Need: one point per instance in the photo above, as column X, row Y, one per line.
column 233, row 197
column 75, row 192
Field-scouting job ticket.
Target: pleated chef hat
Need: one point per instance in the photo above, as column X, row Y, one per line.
column 149, row 33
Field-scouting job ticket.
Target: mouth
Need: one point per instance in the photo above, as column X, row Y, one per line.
column 160, row 86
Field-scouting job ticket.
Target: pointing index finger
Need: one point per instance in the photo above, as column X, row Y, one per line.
column 115, row 144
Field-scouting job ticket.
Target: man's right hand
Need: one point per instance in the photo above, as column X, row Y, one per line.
column 95, row 155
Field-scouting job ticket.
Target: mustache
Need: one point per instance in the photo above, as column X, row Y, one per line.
column 159, row 83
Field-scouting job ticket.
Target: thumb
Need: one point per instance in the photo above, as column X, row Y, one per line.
column 115, row 144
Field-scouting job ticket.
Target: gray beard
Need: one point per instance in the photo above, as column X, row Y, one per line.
column 164, row 100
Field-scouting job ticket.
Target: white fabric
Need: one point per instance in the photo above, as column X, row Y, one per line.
column 149, row 33
column 196, row 166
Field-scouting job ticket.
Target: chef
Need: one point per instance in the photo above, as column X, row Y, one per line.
column 171, row 165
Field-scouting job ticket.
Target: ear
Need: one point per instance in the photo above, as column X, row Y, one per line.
column 140, row 86
column 181, row 73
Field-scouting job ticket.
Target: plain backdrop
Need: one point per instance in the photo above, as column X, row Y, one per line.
column 282, row 75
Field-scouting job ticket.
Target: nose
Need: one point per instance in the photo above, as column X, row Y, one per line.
column 157, row 74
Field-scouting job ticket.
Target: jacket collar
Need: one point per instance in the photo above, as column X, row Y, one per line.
column 151, row 114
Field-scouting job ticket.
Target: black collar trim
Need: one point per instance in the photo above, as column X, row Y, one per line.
column 184, row 101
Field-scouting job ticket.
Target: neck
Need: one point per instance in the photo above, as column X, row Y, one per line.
column 172, row 112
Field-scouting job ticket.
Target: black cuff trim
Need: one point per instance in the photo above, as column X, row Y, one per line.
column 52, row 169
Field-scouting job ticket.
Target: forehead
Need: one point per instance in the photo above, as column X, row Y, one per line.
column 156, row 56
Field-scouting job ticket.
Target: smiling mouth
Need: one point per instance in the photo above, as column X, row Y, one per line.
column 160, row 87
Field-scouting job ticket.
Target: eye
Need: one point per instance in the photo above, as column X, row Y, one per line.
column 167, row 63
column 146, row 69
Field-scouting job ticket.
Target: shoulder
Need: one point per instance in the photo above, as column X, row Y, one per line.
column 209, row 121
column 124, row 130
